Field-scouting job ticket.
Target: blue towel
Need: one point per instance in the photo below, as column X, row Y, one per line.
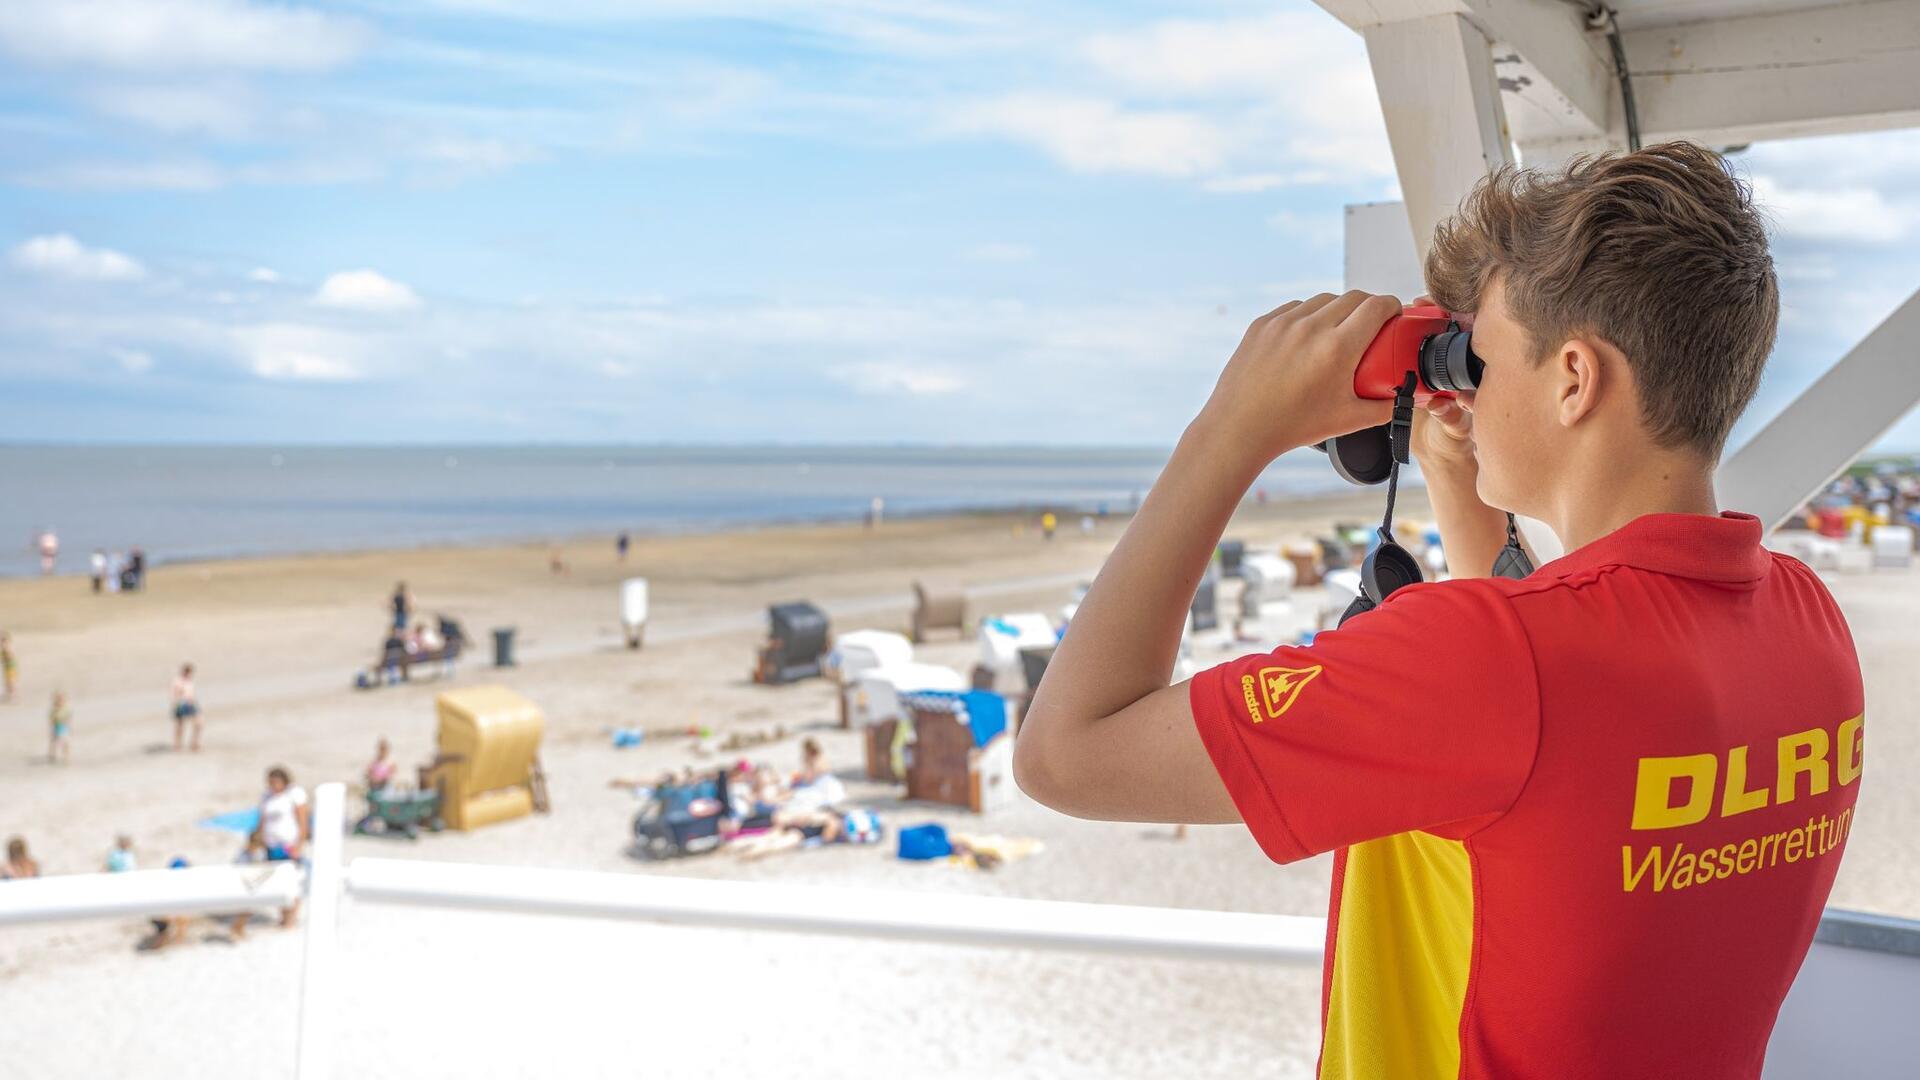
column 240, row 821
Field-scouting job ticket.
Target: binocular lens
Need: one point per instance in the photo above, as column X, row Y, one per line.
column 1448, row 362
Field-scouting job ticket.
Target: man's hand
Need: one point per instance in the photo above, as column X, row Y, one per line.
column 1443, row 437
column 1290, row 383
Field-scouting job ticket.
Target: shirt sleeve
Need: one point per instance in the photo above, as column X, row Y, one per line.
column 1422, row 714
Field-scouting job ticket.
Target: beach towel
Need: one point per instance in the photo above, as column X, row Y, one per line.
column 243, row 822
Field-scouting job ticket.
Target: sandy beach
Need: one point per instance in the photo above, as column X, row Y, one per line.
column 276, row 642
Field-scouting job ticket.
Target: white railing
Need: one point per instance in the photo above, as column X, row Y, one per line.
column 870, row 913
column 1849, row 1013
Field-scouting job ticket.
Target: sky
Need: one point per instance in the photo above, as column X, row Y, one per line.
column 841, row 221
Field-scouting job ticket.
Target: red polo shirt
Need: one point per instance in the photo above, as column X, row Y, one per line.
column 1585, row 823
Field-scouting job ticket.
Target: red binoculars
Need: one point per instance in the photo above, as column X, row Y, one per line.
column 1422, row 352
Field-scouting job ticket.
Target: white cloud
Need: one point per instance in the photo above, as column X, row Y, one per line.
column 264, row 275
column 460, row 158
column 294, row 351
column 887, row 378
column 1247, row 183
column 133, row 361
column 60, row 255
column 178, row 35
column 169, row 175
column 365, row 290
column 999, row 252
column 1265, row 56
column 224, row 108
column 1857, row 215
column 1094, row 135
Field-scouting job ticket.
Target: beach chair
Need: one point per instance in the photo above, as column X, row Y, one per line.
column 1205, row 611
column 488, row 766
column 962, row 752
column 1230, row 553
column 854, row 655
column 944, row 610
column 873, row 705
column 797, row 641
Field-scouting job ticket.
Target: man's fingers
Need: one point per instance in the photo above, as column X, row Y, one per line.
column 1369, row 315
column 1313, row 304
column 1336, row 310
column 1279, row 311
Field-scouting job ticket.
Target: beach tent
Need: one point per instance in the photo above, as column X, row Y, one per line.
column 797, row 639
column 488, row 765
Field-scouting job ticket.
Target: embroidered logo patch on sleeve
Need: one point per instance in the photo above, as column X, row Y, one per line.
column 1274, row 691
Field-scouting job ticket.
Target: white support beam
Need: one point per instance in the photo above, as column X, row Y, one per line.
column 1558, row 75
column 1852, row 67
column 1831, row 424
column 1444, row 118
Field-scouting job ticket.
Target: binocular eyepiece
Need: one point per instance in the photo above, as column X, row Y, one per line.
column 1425, row 342
column 1448, row 363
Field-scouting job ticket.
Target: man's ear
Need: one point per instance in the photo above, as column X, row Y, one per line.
column 1582, row 376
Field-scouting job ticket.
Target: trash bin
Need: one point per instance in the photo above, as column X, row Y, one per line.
column 503, row 646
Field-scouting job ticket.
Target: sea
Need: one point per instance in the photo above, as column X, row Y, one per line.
column 185, row 503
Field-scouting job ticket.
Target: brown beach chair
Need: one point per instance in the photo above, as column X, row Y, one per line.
column 944, row 610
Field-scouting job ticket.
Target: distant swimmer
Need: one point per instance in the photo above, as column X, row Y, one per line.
column 48, row 544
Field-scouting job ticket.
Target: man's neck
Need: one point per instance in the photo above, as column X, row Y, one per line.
column 1594, row 505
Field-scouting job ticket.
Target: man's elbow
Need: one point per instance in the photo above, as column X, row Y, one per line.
column 1041, row 768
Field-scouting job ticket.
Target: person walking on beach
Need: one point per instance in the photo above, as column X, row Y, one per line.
column 186, row 708
column 60, row 725
column 9, row 668
column 621, row 543
column 1586, row 816
column 99, row 570
column 20, row 865
column 281, row 835
column 402, row 607
column 1047, row 524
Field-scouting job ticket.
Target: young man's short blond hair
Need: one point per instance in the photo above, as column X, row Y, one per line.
column 1660, row 252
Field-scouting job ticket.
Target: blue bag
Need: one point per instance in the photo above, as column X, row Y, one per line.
column 927, row 841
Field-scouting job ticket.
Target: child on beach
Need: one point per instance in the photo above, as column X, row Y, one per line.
column 9, row 667
column 186, row 707
column 380, row 770
column 60, row 720
column 20, row 865
column 120, row 858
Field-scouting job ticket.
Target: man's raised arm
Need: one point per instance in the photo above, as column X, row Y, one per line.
column 1106, row 736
